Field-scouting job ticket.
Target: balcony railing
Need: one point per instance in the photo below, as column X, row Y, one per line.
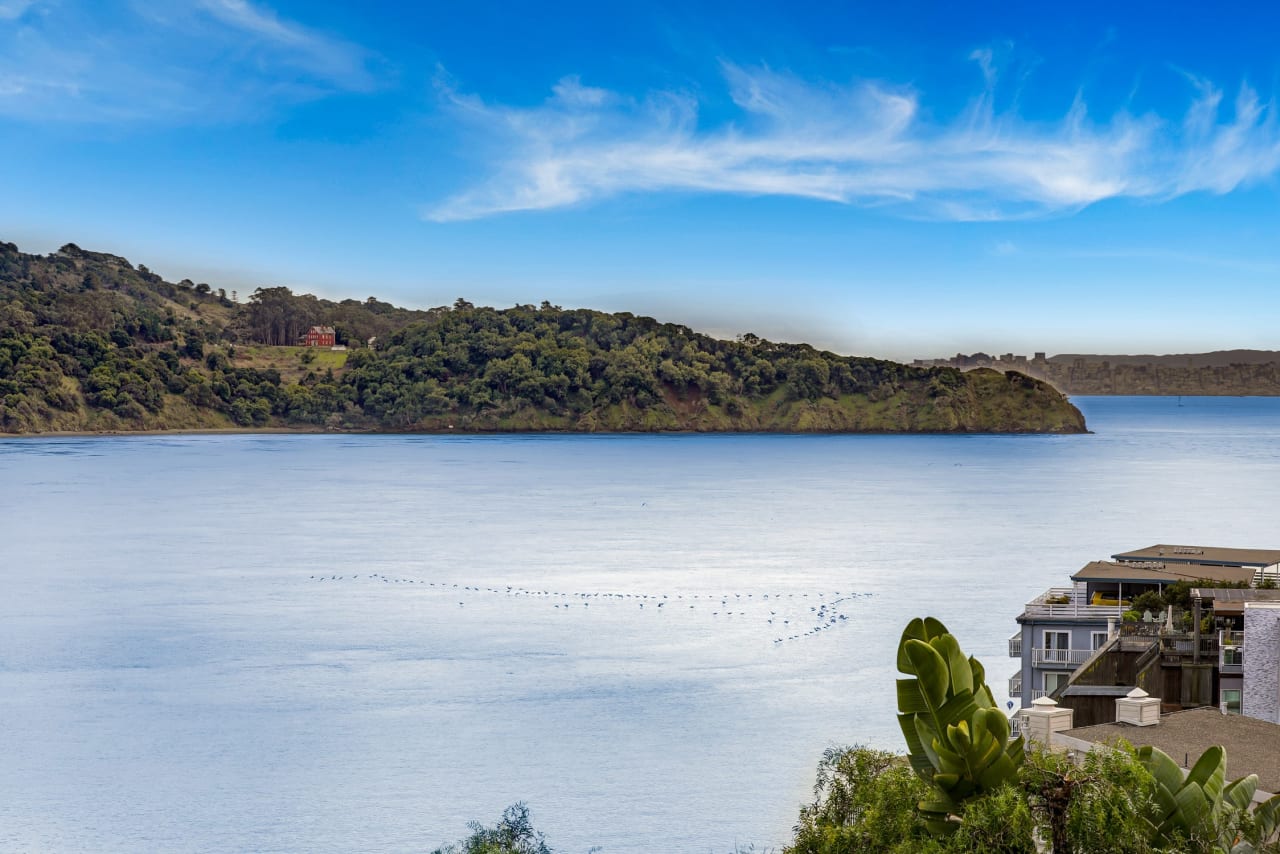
column 1060, row 657
column 1036, row 694
column 1184, row 646
column 1068, row 603
column 1230, row 637
column 1015, row 684
column 1015, row 725
column 1015, row 646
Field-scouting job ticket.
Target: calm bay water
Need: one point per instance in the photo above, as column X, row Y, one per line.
column 577, row 622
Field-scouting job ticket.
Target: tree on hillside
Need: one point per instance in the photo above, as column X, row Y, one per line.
column 278, row 317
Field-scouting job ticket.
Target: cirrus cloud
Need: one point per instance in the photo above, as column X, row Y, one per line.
column 864, row 143
column 195, row 61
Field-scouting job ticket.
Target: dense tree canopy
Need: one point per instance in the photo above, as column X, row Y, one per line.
column 89, row 342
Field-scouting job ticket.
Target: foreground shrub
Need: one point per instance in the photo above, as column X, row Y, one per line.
column 864, row 800
column 513, row 834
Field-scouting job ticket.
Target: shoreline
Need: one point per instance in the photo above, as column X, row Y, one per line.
column 303, row 431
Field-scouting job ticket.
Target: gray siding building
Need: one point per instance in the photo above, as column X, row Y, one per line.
column 1063, row 627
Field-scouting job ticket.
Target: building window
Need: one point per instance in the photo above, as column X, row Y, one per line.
column 1053, row 680
column 1099, row 640
column 1231, row 700
column 1232, row 656
column 1057, row 640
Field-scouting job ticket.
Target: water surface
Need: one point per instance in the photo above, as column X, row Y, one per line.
column 175, row 675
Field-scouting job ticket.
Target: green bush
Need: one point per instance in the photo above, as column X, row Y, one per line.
column 1149, row 601
column 997, row 823
column 513, row 834
column 864, row 800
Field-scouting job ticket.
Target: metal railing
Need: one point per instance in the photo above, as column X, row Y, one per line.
column 1230, row 637
column 1067, row 603
column 1060, row 657
column 1036, row 694
column 1015, row 646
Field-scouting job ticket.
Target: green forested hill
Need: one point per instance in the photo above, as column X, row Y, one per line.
column 89, row 342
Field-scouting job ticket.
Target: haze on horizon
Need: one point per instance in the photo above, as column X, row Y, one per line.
column 906, row 182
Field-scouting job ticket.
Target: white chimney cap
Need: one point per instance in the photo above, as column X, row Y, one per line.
column 1137, row 694
column 1044, row 701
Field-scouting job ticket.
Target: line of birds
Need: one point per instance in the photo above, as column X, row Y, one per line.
column 825, row 614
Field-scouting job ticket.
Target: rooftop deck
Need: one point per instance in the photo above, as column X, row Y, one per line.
column 1070, row 603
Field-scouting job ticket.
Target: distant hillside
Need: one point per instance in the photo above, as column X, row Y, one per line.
column 88, row 342
column 1224, row 372
column 1206, row 375
column 1216, row 359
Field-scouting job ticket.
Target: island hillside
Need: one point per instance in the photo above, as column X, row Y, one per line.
column 88, row 342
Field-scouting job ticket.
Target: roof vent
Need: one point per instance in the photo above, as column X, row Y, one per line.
column 1043, row 719
column 1138, row 708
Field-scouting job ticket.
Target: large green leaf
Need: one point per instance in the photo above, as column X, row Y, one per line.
column 998, row 772
column 928, row 741
column 922, row 630
column 1240, row 793
column 960, row 707
column 1210, row 774
column 994, row 721
column 1193, row 809
column 979, row 674
column 957, row 665
column 910, row 701
column 1160, row 766
column 931, row 669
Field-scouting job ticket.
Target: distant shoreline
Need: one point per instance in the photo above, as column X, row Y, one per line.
column 303, row 431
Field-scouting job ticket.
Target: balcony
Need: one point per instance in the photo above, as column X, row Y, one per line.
column 1231, row 661
column 1068, row 603
column 1036, row 694
column 1176, row 648
column 1015, row 725
column 1015, row 646
column 1072, row 658
column 1015, row 685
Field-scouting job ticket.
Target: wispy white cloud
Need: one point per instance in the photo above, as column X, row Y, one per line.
column 11, row 9
column 341, row 62
column 165, row 60
column 867, row 142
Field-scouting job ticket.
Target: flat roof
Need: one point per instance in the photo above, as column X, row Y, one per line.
column 1150, row 572
column 1230, row 601
column 1203, row 554
column 1253, row 746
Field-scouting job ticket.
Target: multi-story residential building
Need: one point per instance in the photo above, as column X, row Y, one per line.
column 1260, row 665
column 1061, row 629
column 1232, row 612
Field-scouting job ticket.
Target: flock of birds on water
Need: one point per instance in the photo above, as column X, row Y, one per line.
column 790, row 616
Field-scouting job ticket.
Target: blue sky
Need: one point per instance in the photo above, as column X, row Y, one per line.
column 902, row 182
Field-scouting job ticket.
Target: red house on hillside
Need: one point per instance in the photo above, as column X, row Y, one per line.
column 319, row 336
